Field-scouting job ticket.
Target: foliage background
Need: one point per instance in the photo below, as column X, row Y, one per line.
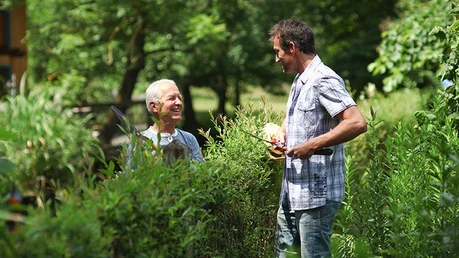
column 106, row 51
column 402, row 181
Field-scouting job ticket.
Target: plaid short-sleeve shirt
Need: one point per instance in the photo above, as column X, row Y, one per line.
column 316, row 97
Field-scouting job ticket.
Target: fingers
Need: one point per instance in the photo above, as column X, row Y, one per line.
column 295, row 153
column 280, row 136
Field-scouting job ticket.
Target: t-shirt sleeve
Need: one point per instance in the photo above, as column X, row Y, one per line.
column 192, row 142
column 195, row 150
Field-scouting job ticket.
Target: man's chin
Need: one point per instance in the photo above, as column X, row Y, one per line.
column 285, row 70
column 177, row 118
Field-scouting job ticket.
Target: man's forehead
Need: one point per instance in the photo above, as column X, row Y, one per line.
column 173, row 93
column 167, row 86
column 276, row 42
column 170, row 90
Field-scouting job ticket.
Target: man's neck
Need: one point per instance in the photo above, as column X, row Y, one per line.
column 304, row 61
column 162, row 128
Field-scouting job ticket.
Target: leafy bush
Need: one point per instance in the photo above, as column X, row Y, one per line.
column 409, row 55
column 405, row 204
column 73, row 231
column 385, row 112
column 245, row 227
column 50, row 146
column 224, row 207
column 46, row 150
column 157, row 210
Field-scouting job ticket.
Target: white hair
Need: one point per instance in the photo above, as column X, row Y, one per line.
column 154, row 94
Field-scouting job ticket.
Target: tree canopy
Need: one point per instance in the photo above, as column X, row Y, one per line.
column 92, row 49
column 411, row 52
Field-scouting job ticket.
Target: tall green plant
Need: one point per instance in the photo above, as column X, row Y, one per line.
column 439, row 128
column 363, row 218
column 50, row 145
column 157, row 210
column 405, row 204
column 6, row 166
column 245, row 227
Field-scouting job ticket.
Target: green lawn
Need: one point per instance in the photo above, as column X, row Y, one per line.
column 398, row 106
column 205, row 100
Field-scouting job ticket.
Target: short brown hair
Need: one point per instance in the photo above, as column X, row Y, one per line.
column 296, row 31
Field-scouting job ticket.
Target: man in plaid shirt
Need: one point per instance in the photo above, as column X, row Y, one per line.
column 320, row 113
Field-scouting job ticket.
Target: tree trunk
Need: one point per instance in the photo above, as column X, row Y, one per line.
column 222, row 86
column 237, row 94
column 221, row 100
column 136, row 64
column 190, row 122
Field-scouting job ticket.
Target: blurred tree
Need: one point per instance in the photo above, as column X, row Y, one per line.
column 410, row 54
column 94, row 45
column 90, row 46
column 347, row 34
column 94, row 48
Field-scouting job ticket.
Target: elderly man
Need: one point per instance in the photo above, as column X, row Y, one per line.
column 164, row 102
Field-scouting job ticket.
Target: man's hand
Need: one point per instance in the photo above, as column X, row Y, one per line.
column 352, row 125
column 301, row 151
column 280, row 137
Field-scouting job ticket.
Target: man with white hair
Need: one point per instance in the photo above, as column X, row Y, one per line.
column 164, row 102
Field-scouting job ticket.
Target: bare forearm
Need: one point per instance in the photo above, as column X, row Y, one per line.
column 345, row 131
column 352, row 125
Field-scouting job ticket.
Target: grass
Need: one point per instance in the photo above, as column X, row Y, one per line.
column 395, row 107
column 205, row 101
column 398, row 106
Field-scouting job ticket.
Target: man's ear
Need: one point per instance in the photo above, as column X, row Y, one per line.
column 153, row 107
column 291, row 47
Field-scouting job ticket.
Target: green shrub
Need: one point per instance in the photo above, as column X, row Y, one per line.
column 50, row 144
column 156, row 210
column 44, row 149
column 245, row 227
column 152, row 211
column 405, row 204
column 73, row 231
column 388, row 111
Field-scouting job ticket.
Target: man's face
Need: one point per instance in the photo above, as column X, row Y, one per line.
column 170, row 106
column 283, row 57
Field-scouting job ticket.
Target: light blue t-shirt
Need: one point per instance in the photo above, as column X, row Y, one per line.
column 180, row 135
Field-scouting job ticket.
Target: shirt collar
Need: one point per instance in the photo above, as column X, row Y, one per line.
column 303, row 77
column 162, row 134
